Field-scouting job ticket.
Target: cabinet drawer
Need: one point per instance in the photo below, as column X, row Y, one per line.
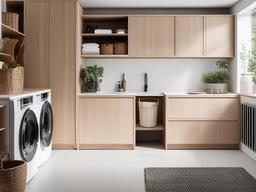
column 106, row 121
column 203, row 132
column 203, row 108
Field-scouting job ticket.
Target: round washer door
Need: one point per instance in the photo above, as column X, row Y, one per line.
column 46, row 124
column 29, row 135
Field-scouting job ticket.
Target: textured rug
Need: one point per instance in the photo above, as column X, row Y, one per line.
column 199, row 180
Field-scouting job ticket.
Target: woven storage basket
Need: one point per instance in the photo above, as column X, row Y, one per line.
column 13, row 176
column 120, row 48
column 106, row 49
column 11, row 80
column 11, row 19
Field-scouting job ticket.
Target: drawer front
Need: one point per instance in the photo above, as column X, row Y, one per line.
column 203, row 108
column 106, row 121
column 201, row 132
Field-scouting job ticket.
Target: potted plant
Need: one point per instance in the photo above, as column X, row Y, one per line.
column 90, row 77
column 217, row 82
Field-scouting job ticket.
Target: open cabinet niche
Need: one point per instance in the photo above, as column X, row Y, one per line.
column 151, row 137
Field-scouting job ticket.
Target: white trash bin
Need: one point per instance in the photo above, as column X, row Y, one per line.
column 148, row 113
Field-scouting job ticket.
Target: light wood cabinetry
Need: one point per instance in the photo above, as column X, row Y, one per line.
column 36, row 27
column 219, row 32
column 210, row 122
column 106, row 122
column 139, row 36
column 190, row 36
column 50, row 61
column 151, row 36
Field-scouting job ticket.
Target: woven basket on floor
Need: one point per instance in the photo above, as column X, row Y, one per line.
column 11, row 19
column 11, row 80
column 12, row 175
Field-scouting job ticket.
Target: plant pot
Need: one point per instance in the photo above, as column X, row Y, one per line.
column 216, row 88
column 91, row 87
column 246, row 84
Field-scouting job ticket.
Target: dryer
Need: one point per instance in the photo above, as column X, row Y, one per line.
column 22, row 135
column 45, row 119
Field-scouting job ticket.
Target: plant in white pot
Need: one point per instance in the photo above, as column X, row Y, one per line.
column 217, row 82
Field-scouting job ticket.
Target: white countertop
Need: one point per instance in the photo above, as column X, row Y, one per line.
column 26, row 92
column 159, row 94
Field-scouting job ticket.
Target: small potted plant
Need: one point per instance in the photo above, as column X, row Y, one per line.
column 90, row 77
column 217, row 82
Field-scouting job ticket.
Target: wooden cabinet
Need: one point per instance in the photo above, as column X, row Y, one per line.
column 202, row 122
column 219, row 31
column 139, row 36
column 151, row 36
column 50, row 61
column 36, row 57
column 190, row 36
column 106, row 122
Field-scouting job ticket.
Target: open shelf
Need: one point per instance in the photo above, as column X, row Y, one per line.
column 5, row 57
column 10, row 32
column 104, row 35
column 159, row 127
column 104, row 56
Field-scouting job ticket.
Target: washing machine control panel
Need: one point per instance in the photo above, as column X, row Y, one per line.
column 44, row 96
column 26, row 101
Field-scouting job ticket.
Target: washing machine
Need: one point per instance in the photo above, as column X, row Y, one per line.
column 22, row 129
column 45, row 119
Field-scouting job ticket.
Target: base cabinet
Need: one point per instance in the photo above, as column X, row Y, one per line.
column 202, row 123
column 106, row 122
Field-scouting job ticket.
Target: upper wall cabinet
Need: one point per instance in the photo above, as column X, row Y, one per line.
column 219, row 32
column 151, row 36
column 190, row 36
column 181, row 36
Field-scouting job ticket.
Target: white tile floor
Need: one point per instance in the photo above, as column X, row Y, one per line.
column 122, row 171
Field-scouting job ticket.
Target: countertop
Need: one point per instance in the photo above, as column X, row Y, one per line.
column 159, row 94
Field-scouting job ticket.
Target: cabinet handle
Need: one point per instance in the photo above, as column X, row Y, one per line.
column 2, row 129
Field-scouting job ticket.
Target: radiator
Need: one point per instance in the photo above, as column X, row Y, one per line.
column 248, row 126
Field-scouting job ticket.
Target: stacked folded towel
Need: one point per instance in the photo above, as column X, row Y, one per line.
column 90, row 49
column 103, row 31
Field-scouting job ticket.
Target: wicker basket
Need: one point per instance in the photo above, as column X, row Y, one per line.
column 11, row 19
column 13, row 176
column 12, row 80
column 120, row 48
column 106, row 49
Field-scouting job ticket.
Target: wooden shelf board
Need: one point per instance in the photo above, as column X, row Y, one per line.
column 104, row 35
column 10, row 32
column 104, row 56
column 2, row 129
column 5, row 57
column 159, row 127
column 104, row 17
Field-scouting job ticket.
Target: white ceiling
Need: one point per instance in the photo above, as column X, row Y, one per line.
column 157, row 3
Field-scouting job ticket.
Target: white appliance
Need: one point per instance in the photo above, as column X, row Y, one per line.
column 22, row 129
column 45, row 119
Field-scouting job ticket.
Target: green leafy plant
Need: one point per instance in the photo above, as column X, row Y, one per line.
column 10, row 65
column 91, row 75
column 220, row 76
column 252, row 64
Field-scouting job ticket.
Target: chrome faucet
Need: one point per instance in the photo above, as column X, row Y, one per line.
column 145, row 82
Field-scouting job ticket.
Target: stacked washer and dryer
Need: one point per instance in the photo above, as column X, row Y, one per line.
column 29, row 125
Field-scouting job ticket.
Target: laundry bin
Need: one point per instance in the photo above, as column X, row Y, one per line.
column 12, row 175
column 148, row 113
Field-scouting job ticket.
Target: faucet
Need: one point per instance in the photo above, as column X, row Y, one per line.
column 145, row 82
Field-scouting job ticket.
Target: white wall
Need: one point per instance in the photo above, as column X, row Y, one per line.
column 163, row 74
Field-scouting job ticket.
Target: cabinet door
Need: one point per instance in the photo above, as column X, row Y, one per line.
column 139, row 36
column 106, row 123
column 62, row 71
column 162, row 39
column 36, row 56
column 219, row 36
column 190, row 36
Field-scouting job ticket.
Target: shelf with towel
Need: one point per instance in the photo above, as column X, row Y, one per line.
column 104, row 35
column 104, row 56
